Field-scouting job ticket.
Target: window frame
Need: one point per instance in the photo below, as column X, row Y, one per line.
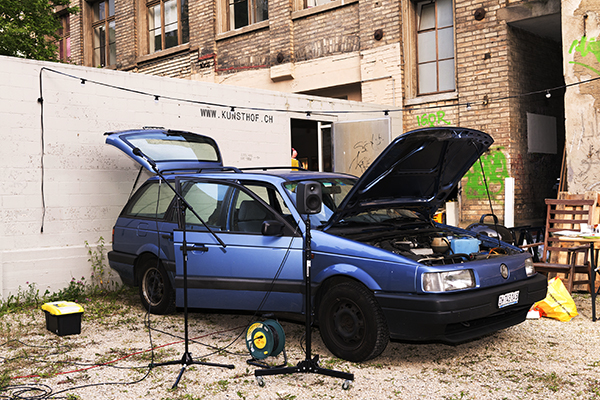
column 227, row 16
column 105, row 23
column 183, row 33
column 64, row 43
column 228, row 206
column 418, row 6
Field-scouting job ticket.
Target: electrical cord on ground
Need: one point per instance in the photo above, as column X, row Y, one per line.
column 43, row 391
column 31, row 391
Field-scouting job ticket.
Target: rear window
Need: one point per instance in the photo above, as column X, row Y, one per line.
column 175, row 146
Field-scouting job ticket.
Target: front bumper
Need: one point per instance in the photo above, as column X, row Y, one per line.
column 458, row 317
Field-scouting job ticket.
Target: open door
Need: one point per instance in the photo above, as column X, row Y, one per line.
column 357, row 143
column 312, row 142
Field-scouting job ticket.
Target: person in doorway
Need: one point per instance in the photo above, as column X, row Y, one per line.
column 295, row 162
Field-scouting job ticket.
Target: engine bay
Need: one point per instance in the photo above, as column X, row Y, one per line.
column 435, row 246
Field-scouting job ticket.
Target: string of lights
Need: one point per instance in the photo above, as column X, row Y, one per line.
column 157, row 97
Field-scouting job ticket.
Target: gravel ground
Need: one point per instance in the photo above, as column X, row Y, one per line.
column 538, row 359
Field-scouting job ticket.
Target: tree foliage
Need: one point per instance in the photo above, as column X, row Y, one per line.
column 29, row 28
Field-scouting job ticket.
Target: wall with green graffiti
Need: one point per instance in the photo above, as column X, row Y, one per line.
column 495, row 169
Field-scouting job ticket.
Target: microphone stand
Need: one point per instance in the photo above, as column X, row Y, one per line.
column 186, row 359
column 308, row 365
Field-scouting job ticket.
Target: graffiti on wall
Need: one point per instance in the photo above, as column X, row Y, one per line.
column 584, row 47
column 364, row 151
column 495, row 168
column 432, row 119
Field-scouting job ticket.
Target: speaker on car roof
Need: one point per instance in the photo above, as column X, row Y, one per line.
column 309, row 197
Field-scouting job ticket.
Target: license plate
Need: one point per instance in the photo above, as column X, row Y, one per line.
column 508, row 299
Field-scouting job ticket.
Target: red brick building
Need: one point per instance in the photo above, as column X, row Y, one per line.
column 481, row 64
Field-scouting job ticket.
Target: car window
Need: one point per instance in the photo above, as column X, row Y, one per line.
column 180, row 146
column 225, row 207
column 151, row 201
column 270, row 196
column 207, row 200
column 249, row 214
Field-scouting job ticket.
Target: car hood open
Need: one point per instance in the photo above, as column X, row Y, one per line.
column 417, row 171
column 169, row 150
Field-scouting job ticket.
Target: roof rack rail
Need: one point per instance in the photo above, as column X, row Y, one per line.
column 152, row 127
column 200, row 170
column 268, row 168
column 224, row 168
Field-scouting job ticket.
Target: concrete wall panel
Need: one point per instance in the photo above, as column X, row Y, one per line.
column 86, row 182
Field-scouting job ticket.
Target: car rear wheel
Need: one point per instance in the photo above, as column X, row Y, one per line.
column 156, row 292
column 351, row 322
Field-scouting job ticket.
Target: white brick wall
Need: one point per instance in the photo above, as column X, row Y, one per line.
column 86, row 182
column 382, row 75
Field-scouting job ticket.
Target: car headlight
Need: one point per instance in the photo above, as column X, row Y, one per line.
column 448, row 280
column 529, row 268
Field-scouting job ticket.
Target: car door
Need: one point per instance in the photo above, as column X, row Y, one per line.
column 249, row 271
column 146, row 223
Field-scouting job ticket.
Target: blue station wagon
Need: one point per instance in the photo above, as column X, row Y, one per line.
column 381, row 269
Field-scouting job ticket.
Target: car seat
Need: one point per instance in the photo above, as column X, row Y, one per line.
column 251, row 216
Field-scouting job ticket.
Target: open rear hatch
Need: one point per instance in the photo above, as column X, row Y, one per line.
column 170, row 150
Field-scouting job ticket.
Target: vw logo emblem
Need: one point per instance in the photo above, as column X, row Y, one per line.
column 504, row 271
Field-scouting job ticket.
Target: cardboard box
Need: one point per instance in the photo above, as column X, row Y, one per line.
column 63, row 317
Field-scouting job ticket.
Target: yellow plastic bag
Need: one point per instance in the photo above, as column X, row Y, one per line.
column 558, row 303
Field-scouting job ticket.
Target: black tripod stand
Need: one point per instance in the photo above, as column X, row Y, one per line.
column 186, row 359
column 308, row 365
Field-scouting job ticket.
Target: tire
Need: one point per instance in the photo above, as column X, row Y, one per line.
column 156, row 292
column 351, row 322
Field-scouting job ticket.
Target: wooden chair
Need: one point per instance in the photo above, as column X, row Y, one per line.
column 563, row 255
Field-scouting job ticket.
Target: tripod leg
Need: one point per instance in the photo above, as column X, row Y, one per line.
column 179, row 377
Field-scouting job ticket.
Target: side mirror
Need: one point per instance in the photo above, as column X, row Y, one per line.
column 272, row 228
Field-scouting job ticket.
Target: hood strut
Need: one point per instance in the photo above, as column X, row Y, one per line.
column 487, row 190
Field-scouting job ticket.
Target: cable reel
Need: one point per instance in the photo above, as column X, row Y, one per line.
column 264, row 339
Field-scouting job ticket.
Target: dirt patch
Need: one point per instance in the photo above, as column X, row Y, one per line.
column 537, row 359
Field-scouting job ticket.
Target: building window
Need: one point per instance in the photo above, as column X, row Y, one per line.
column 435, row 47
column 314, row 3
column 64, row 43
column 103, row 27
column 247, row 12
column 168, row 24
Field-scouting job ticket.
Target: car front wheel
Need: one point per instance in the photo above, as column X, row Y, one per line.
column 156, row 292
column 351, row 322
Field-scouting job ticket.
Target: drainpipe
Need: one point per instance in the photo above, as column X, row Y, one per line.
column 509, row 202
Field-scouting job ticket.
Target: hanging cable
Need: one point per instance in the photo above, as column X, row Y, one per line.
column 41, row 101
column 486, row 100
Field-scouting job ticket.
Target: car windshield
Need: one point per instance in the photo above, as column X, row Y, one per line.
column 334, row 190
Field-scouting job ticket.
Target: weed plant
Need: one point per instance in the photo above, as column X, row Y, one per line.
column 102, row 284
